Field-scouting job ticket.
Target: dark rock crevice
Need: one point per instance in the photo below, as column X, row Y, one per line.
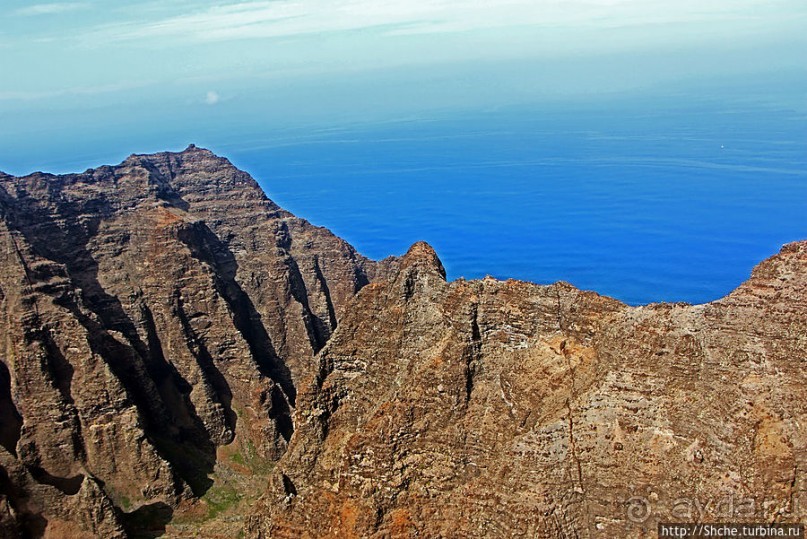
column 172, row 387
column 280, row 412
column 473, row 355
column 360, row 279
column 288, row 486
column 176, row 430
column 58, row 374
column 318, row 332
column 218, row 390
column 10, row 418
column 332, row 322
column 207, row 248
column 66, row 485
column 28, row 524
column 126, row 363
column 59, row 368
column 148, row 521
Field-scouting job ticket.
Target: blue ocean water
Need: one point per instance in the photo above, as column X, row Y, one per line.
column 643, row 204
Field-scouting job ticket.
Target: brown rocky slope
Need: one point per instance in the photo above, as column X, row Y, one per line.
column 150, row 314
column 507, row 409
column 171, row 351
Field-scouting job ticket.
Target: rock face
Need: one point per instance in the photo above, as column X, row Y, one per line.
column 506, row 409
column 175, row 345
column 151, row 313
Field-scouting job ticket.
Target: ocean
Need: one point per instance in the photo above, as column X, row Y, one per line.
column 643, row 205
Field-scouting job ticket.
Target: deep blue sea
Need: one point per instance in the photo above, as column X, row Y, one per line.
column 643, row 205
column 661, row 199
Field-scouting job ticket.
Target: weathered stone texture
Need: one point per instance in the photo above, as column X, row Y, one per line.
column 152, row 312
column 507, row 409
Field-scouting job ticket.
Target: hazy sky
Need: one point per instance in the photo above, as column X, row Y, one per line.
column 169, row 69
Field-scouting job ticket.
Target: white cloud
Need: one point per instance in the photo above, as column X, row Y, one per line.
column 281, row 18
column 212, row 98
column 50, row 9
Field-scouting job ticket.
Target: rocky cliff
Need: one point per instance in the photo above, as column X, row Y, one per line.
column 182, row 357
column 507, row 409
column 150, row 314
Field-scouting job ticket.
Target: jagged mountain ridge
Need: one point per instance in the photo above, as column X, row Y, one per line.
column 508, row 409
column 152, row 312
column 168, row 330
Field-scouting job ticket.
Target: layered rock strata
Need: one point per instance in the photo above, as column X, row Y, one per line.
column 507, row 409
column 151, row 313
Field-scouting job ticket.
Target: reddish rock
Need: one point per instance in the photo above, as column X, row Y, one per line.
column 506, row 409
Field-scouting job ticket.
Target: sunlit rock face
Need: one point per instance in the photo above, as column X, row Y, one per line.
column 507, row 409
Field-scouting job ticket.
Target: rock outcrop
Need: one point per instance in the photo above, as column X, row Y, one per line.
column 182, row 357
column 151, row 313
column 507, row 409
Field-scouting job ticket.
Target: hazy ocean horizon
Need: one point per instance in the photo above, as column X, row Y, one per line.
column 657, row 205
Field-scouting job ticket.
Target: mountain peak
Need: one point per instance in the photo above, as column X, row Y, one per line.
column 423, row 256
column 193, row 148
